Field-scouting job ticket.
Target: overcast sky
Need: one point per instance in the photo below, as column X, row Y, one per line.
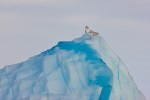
column 28, row 27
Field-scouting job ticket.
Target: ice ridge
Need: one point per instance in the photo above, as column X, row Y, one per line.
column 82, row 69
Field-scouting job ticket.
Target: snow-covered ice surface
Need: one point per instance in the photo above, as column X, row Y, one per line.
column 81, row 69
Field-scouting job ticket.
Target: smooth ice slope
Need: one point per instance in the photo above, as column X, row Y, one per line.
column 81, row 69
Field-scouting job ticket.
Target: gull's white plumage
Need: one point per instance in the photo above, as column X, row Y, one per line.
column 90, row 32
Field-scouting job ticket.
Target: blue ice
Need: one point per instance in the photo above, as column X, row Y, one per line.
column 82, row 69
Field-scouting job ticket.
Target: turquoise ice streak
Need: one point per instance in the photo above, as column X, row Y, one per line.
column 81, row 69
column 104, row 77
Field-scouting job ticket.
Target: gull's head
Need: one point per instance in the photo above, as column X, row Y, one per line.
column 86, row 27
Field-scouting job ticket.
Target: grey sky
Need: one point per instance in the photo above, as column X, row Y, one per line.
column 28, row 27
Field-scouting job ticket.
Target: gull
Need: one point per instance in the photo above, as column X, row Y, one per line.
column 90, row 32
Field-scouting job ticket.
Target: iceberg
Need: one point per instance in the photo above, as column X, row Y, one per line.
column 82, row 69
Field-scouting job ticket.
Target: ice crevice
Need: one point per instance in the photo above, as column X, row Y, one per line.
column 119, row 77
